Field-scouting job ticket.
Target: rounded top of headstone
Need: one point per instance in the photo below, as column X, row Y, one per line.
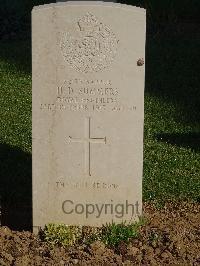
column 91, row 3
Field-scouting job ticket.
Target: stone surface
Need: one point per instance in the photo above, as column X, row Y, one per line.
column 88, row 0
column 88, row 101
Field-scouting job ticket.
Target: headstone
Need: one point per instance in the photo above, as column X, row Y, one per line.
column 114, row 1
column 88, row 107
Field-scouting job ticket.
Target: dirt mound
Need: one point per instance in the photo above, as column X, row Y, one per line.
column 171, row 236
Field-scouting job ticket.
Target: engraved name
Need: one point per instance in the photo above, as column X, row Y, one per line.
column 87, row 95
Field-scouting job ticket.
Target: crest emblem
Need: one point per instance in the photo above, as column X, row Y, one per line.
column 91, row 48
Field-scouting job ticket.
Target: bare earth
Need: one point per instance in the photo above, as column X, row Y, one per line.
column 171, row 236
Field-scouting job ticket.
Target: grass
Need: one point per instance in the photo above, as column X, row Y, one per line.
column 172, row 118
column 111, row 234
column 172, row 115
column 114, row 234
column 61, row 234
column 15, row 134
column 15, row 100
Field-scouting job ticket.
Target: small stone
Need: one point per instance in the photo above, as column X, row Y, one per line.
column 164, row 255
column 127, row 263
column 157, row 251
column 98, row 247
column 75, row 261
column 5, row 232
column 7, row 256
column 132, row 251
column 2, row 262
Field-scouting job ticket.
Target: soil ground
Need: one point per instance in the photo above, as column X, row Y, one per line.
column 171, row 236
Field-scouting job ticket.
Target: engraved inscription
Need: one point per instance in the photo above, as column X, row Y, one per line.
column 85, row 184
column 84, row 95
column 91, row 48
column 88, row 140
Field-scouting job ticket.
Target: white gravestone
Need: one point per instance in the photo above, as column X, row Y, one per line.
column 88, row 108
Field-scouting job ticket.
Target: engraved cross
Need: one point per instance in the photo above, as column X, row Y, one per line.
column 88, row 140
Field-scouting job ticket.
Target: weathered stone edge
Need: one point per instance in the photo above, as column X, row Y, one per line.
column 89, row 3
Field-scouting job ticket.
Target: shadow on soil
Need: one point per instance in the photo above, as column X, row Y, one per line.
column 191, row 140
column 15, row 188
